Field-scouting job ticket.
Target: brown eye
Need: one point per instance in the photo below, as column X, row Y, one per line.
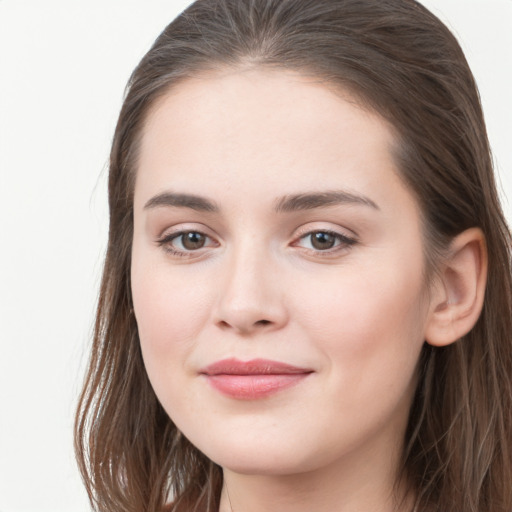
column 186, row 243
column 192, row 240
column 325, row 241
column 322, row 240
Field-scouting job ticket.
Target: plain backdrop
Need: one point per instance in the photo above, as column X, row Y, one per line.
column 63, row 68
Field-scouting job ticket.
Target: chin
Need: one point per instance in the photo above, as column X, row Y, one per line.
column 263, row 466
column 275, row 458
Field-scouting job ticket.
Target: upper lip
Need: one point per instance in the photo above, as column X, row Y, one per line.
column 234, row 366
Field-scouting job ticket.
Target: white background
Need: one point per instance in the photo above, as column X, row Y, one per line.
column 63, row 67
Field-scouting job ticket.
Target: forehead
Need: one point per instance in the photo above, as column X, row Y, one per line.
column 256, row 128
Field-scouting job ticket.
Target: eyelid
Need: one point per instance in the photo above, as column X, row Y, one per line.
column 315, row 227
column 185, row 227
column 346, row 239
column 165, row 239
column 173, row 236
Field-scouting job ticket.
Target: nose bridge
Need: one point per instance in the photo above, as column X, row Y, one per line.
column 250, row 295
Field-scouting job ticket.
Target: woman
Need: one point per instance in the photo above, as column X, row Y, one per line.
column 306, row 297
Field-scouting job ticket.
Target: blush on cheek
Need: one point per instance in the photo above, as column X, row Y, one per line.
column 161, row 334
column 163, row 313
column 369, row 321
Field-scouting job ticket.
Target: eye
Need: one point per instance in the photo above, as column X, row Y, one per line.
column 185, row 242
column 191, row 240
column 324, row 241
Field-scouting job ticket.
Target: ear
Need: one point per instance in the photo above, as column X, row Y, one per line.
column 458, row 295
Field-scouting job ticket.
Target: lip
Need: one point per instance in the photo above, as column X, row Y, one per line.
column 254, row 379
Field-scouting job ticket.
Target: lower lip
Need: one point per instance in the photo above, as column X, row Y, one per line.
column 253, row 387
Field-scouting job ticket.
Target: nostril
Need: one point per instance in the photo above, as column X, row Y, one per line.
column 262, row 322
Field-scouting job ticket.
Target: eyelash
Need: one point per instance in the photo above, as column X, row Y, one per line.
column 166, row 243
column 342, row 242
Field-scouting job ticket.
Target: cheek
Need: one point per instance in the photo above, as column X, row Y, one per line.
column 374, row 323
column 370, row 335
column 170, row 314
column 171, row 309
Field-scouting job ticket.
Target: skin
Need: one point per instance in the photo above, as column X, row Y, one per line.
column 355, row 314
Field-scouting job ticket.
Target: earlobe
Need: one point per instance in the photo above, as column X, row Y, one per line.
column 458, row 297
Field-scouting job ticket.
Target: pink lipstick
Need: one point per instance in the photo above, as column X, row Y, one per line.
column 251, row 380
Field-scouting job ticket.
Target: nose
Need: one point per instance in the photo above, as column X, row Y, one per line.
column 250, row 295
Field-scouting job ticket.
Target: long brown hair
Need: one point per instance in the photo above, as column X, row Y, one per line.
column 403, row 63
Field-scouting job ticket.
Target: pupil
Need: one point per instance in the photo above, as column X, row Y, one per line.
column 193, row 240
column 322, row 240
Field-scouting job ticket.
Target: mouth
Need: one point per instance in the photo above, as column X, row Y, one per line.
column 254, row 379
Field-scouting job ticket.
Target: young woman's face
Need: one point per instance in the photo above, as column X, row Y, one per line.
column 277, row 274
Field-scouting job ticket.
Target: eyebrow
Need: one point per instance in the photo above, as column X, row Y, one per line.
column 288, row 203
column 191, row 201
column 310, row 201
